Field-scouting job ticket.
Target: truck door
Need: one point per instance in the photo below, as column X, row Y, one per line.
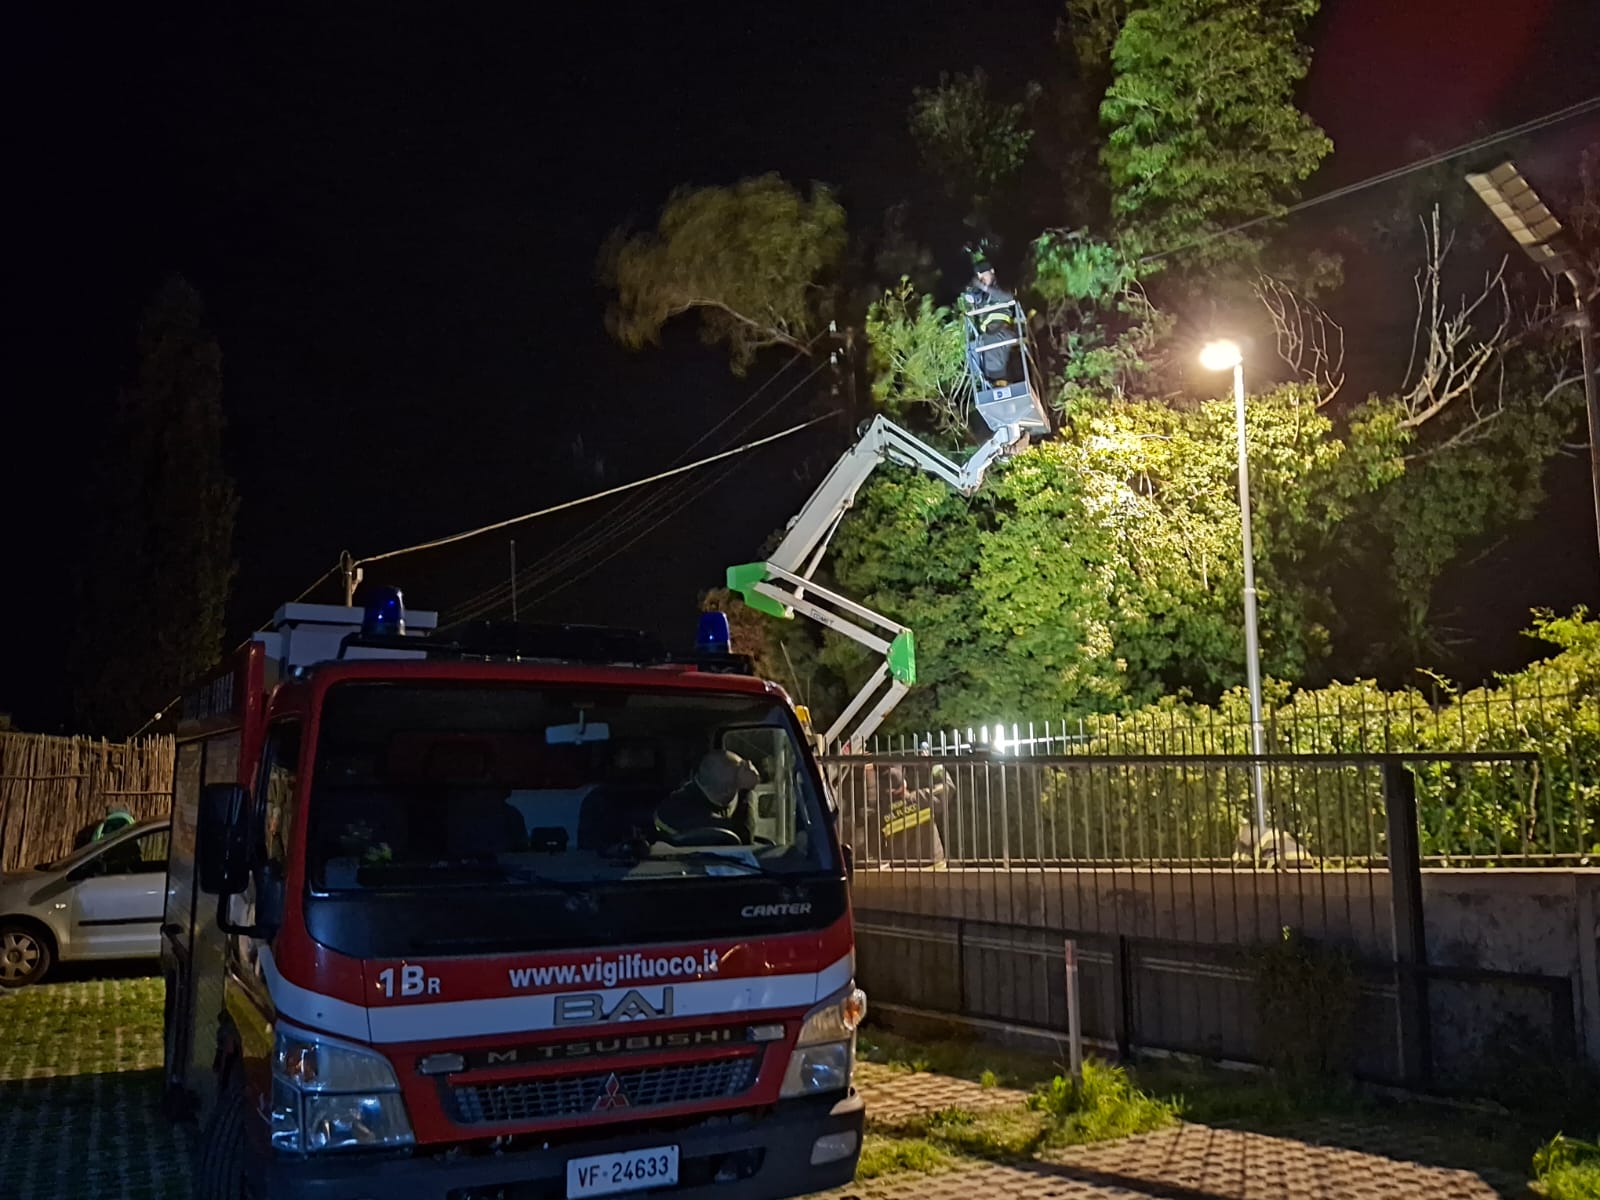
column 177, row 929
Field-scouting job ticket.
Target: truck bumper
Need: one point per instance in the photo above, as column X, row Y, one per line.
column 739, row 1157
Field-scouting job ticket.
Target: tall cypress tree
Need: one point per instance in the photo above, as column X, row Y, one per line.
column 156, row 562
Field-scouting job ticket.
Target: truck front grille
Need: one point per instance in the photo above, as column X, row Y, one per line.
column 601, row 1091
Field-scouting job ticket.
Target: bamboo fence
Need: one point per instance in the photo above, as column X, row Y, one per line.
column 52, row 787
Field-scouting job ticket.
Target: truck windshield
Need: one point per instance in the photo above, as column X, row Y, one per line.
column 453, row 785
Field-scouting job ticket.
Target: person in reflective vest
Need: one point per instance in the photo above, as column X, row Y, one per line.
column 906, row 821
column 993, row 327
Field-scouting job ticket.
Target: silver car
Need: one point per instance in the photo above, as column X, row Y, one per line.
column 102, row 901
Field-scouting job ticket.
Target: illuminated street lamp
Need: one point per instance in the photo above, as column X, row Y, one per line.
column 1219, row 356
column 1517, row 206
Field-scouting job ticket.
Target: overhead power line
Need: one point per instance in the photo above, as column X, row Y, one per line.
column 1581, row 108
column 590, row 499
column 608, row 526
column 577, row 558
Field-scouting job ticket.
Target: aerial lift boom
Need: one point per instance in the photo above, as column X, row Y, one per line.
column 783, row 585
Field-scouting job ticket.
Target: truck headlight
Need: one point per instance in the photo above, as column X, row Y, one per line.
column 329, row 1094
column 824, row 1053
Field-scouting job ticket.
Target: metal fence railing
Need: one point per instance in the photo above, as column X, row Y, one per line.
column 1339, row 719
column 1505, row 788
column 970, row 870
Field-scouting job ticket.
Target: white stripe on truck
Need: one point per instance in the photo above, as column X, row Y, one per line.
column 431, row 1020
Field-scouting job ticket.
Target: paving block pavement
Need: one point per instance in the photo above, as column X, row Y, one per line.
column 1326, row 1159
column 1198, row 1162
column 80, row 1076
column 893, row 1095
column 79, row 1071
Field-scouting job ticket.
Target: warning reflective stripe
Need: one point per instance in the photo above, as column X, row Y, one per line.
column 311, row 1009
column 908, row 821
column 430, row 1020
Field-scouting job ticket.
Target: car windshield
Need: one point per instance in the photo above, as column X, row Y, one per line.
column 452, row 785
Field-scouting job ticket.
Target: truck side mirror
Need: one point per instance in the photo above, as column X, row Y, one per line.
column 222, row 839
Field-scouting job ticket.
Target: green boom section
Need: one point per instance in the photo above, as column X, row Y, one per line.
column 903, row 657
column 743, row 579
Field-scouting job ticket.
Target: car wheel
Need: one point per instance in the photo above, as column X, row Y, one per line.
column 24, row 955
column 220, row 1166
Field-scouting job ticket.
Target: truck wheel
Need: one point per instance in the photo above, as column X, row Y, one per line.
column 24, row 954
column 219, row 1170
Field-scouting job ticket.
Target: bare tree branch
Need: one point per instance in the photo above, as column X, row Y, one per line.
column 773, row 332
column 1309, row 342
column 1448, row 353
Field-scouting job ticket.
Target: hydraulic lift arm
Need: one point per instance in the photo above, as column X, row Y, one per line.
column 782, row 585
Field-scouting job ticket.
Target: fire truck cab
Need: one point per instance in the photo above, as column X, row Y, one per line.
column 542, row 915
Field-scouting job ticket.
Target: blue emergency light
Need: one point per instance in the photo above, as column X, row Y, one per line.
column 712, row 636
column 385, row 614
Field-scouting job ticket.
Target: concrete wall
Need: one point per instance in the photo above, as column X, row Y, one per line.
column 1528, row 922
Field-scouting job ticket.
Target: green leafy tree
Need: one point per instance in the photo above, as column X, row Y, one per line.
column 782, row 651
column 1098, row 333
column 754, row 261
column 917, row 360
column 1461, row 482
column 157, row 561
column 969, row 141
column 1102, row 568
column 1202, row 126
column 1091, row 27
column 1064, row 113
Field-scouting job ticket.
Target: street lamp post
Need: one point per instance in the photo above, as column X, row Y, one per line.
column 1219, row 356
column 1517, row 206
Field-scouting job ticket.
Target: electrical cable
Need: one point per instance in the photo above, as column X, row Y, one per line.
column 481, row 611
column 465, row 534
column 1580, row 108
column 603, row 528
column 668, row 496
column 584, row 545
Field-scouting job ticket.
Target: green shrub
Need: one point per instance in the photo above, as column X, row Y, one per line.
column 1105, row 1105
column 1306, row 996
column 1568, row 1169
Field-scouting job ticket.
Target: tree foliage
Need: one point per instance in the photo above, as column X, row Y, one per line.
column 1449, row 497
column 969, row 141
column 1102, row 568
column 157, row 560
column 1202, row 126
column 782, row 651
column 751, row 260
column 1097, row 332
column 1551, row 707
column 1092, row 27
column 917, row 360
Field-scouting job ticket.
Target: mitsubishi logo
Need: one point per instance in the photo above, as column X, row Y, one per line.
column 611, row 1095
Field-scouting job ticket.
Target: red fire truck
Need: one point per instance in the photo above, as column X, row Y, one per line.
column 541, row 913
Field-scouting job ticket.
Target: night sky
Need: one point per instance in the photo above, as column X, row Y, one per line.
column 392, row 213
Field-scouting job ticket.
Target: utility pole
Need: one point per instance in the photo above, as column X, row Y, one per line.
column 1583, row 319
column 350, row 572
column 513, row 581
